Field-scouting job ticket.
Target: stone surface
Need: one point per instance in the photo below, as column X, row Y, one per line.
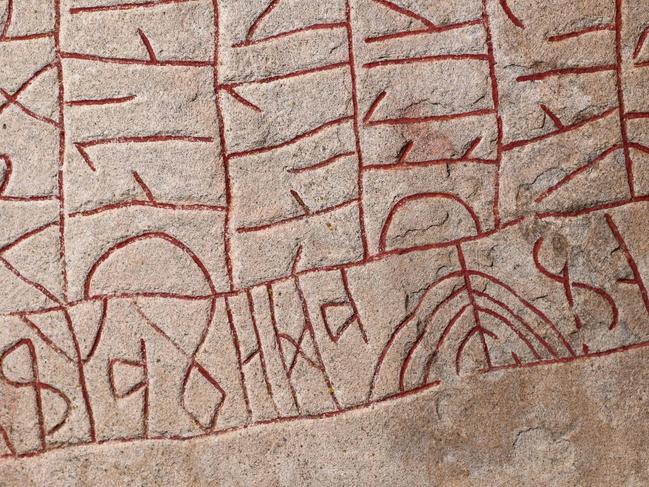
column 560, row 425
column 352, row 242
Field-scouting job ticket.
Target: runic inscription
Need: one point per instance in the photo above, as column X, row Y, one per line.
column 217, row 213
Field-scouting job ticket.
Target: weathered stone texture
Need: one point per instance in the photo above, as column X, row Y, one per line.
column 405, row 219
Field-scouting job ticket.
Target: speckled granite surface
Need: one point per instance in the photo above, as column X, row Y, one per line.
column 343, row 242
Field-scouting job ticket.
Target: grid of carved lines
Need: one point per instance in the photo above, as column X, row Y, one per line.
column 223, row 212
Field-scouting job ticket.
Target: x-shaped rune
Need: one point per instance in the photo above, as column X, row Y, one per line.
column 12, row 98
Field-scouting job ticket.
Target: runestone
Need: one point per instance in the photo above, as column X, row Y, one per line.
column 324, row 242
